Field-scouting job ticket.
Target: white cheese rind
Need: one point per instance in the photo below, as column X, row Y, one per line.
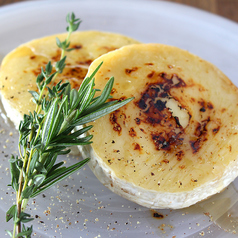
column 154, row 199
column 10, row 112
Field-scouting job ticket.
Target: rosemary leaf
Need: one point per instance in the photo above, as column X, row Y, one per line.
column 57, row 177
column 11, row 212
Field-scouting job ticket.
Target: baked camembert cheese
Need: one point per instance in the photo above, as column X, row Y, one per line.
column 175, row 144
column 20, row 67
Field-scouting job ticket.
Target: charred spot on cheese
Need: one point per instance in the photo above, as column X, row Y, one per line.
column 56, row 57
column 129, row 71
column 180, row 155
column 164, row 112
column 201, row 135
column 121, row 99
column 137, row 146
column 137, row 120
column 74, row 75
column 76, row 46
column 132, row 132
column 205, row 105
column 153, row 105
column 215, row 130
column 166, row 140
column 85, row 62
column 113, row 91
column 114, row 121
column 157, row 95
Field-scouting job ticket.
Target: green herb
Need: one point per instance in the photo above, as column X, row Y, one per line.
column 56, row 124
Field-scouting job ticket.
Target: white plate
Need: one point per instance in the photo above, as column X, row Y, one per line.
column 80, row 206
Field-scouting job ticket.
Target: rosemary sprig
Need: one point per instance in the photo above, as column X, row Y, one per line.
column 49, row 132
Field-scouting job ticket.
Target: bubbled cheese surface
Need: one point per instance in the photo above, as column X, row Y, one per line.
column 176, row 143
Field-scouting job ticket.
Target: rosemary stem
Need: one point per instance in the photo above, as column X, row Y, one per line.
column 61, row 57
column 21, row 179
column 19, row 148
column 14, row 230
column 19, row 192
column 18, row 215
column 27, row 169
column 38, row 109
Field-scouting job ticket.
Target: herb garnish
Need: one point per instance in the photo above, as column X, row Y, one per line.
column 56, row 124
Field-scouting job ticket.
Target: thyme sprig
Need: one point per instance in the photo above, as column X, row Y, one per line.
column 57, row 124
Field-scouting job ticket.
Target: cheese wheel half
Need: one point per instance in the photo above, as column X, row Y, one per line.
column 175, row 144
column 20, row 67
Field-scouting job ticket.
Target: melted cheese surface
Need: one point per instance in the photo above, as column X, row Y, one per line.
column 20, row 67
column 180, row 131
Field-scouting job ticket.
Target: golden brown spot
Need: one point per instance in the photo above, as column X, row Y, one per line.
column 180, row 155
column 74, row 75
column 57, row 56
column 205, row 105
column 129, row 71
column 113, row 91
column 150, row 75
column 136, row 146
column 215, row 130
column 182, row 166
column 76, row 47
column 114, row 121
column 86, row 62
column 121, row 99
column 137, row 120
column 141, row 129
column 210, row 106
column 201, row 134
column 201, row 89
column 166, row 141
column 36, row 72
column 149, row 64
column 166, row 161
column 132, row 132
